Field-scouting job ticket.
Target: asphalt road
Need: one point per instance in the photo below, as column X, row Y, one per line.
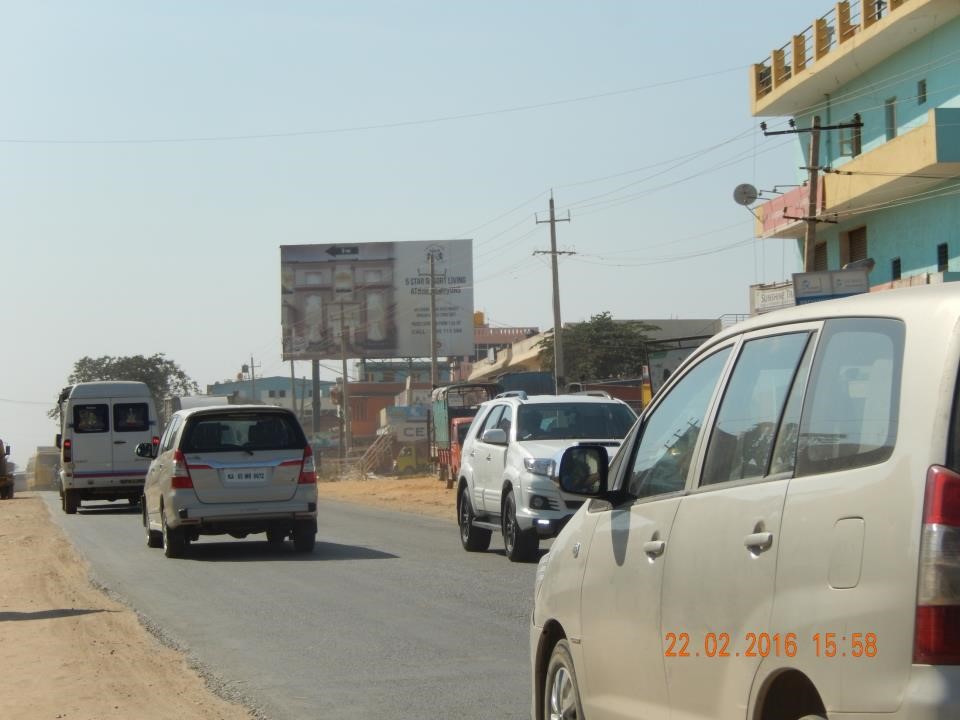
column 387, row 618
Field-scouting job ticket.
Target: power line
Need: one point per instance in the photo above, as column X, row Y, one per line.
column 363, row 128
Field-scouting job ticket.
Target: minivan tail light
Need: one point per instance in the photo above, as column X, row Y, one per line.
column 155, row 441
column 180, row 478
column 308, row 469
column 68, row 450
column 937, row 632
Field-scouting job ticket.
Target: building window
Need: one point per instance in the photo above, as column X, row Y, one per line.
column 943, row 257
column 820, row 257
column 890, row 114
column 895, row 268
column 272, row 393
column 921, row 91
column 281, row 393
column 858, row 244
column 850, row 139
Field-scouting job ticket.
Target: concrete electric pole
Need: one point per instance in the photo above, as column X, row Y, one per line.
column 558, row 376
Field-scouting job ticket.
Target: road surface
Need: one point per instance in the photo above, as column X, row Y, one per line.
column 387, row 618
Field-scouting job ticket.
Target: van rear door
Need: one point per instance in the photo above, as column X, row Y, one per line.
column 130, row 425
column 92, row 440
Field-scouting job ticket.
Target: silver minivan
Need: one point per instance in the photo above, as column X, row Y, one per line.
column 778, row 537
column 230, row 469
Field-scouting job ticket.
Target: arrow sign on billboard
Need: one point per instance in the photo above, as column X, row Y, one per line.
column 343, row 250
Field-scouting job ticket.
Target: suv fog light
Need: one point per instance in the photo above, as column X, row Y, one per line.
column 539, row 502
column 545, row 523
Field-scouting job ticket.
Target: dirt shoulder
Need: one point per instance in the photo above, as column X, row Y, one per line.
column 69, row 651
column 422, row 494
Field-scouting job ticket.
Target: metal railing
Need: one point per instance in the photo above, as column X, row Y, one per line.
column 816, row 41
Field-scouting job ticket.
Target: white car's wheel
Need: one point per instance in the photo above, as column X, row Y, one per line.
column 561, row 696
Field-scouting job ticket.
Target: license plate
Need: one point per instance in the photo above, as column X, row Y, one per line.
column 244, row 476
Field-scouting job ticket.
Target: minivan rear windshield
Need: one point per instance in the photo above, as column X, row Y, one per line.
column 242, row 431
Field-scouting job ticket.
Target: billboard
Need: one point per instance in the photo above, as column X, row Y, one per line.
column 376, row 296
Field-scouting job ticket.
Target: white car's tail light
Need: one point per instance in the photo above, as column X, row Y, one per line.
column 180, row 477
column 937, row 634
column 308, row 469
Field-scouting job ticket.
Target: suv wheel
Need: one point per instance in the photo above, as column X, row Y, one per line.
column 71, row 501
column 520, row 545
column 154, row 538
column 174, row 539
column 304, row 537
column 473, row 539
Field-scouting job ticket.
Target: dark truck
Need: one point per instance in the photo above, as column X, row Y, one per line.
column 453, row 407
column 6, row 474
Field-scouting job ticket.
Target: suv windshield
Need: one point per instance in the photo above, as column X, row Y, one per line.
column 242, row 431
column 554, row 421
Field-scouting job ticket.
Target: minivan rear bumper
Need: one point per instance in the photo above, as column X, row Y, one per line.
column 932, row 693
column 186, row 510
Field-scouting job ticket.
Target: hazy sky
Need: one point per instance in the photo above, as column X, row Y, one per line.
column 365, row 122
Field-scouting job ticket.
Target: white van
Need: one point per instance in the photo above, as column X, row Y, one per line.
column 102, row 424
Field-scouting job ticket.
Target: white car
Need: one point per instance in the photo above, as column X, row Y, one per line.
column 231, row 469
column 778, row 537
column 510, row 456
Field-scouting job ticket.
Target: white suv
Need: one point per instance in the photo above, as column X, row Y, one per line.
column 509, row 459
column 230, row 469
column 779, row 536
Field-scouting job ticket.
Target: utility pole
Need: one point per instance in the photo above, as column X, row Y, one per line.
column 345, row 395
column 293, row 389
column 813, row 180
column 813, row 167
column 315, row 401
column 558, row 377
column 433, row 327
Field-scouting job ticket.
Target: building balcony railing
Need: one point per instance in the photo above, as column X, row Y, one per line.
column 788, row 82
column 783, row 216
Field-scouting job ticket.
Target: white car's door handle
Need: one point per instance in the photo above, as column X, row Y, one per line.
column 758, row 541
column 654, row 548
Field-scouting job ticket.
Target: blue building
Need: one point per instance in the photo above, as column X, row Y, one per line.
column 889, row 189
column 277, row 391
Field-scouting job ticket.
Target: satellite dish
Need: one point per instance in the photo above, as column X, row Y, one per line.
column 745, row 194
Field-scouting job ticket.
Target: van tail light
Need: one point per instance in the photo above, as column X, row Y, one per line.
column 68, row 450
column 308, row 470
column 155, row 441
column 180, row 478
column 937, row 633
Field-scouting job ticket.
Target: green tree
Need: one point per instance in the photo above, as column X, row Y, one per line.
column 163, row 376
column 601, row 348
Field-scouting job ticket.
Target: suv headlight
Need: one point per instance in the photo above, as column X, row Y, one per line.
column 539, row 466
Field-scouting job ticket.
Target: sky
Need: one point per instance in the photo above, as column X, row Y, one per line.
column 154, row 156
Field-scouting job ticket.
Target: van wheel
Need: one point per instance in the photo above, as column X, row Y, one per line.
column 473, row 539
column 304, row 537
column 174, row 539
column 519, row 545
column 154, row 538
column 561, row 696
column 71, row 501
